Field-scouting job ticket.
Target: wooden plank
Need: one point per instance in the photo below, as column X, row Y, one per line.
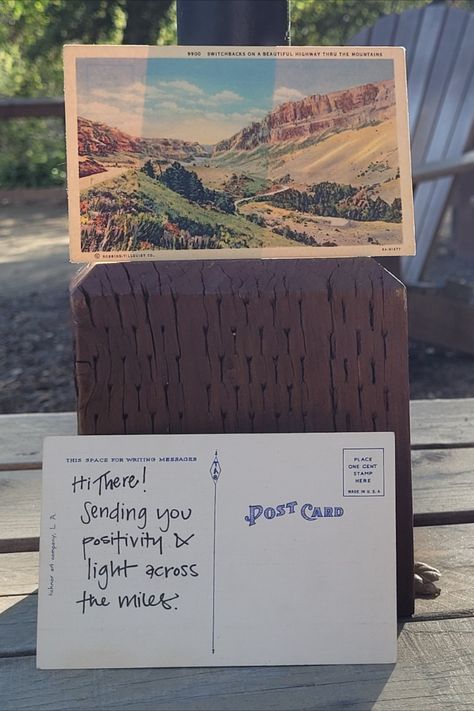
column 15, row 107
column 448, row 548
column 433, row 18
column 442, row 489
column 18, row 573
column 384, row 30
column 435, row 424
column 455, row 96
column 440, row 74
column 435, row 671
column 446, row 422
column 451, row 550
column 20, row 504
column 443, row 480
column 17, row 625
column 21, row 436
column 443, row 518
column 442, row 423
column 449, row 139
column 9, row 601
column 438, row 169
column 439, row 57
column 19, row 545
column 407, row 34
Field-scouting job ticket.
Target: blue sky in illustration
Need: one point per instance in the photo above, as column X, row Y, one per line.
column 207, row 100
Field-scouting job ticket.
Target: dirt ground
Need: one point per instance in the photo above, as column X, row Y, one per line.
column 36, row 373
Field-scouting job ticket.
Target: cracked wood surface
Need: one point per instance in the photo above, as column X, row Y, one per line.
column 248, row 346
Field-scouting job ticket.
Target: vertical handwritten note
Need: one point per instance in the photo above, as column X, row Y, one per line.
column 213, row 550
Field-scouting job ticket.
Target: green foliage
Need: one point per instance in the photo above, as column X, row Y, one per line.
column 334, row 22
column 32, row 33
column 186, row 183
column 32, row 153
column 336, row 200
column 135, row 212
column 148, row 169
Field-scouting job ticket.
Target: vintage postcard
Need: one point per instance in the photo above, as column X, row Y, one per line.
column 231, row 152
column 218, row 549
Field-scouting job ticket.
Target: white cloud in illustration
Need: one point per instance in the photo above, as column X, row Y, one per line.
column 168, row 109
column 167, row 105
column 130, row 121
column 206, row 127
column 133, row 94
column 226, row 96
column 182, row 85
column 285, row 93
column 242, row 118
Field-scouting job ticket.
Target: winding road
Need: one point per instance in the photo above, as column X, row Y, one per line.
column 241, row 201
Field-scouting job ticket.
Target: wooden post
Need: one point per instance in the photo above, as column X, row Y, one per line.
column 233, row 22
column 310, row 345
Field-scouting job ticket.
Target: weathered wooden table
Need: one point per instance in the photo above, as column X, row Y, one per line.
column 436, row 647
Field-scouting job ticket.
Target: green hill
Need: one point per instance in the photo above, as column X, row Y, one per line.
column 134, row 212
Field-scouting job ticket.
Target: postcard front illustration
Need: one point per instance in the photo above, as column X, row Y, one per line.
column 240, row 155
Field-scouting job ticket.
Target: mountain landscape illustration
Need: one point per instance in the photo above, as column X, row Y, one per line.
column 317, row 115
column 314, row 172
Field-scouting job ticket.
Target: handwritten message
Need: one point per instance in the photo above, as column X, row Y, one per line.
column 145, row 546
column 209, row 550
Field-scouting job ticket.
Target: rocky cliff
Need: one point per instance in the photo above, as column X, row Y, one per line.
column 317, row 115
column 98, row 139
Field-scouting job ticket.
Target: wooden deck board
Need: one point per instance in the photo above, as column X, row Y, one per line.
column 442, row 481
column 449, row 548
column 435, row 671
column 18, row 575
column 21, row 436
column 20, row 504
column 436, row 664
column 433, row 423
column 442, row 422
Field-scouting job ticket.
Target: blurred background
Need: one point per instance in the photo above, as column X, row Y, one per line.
column 35, row 341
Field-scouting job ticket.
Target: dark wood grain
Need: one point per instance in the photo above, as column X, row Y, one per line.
column 247, row 346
